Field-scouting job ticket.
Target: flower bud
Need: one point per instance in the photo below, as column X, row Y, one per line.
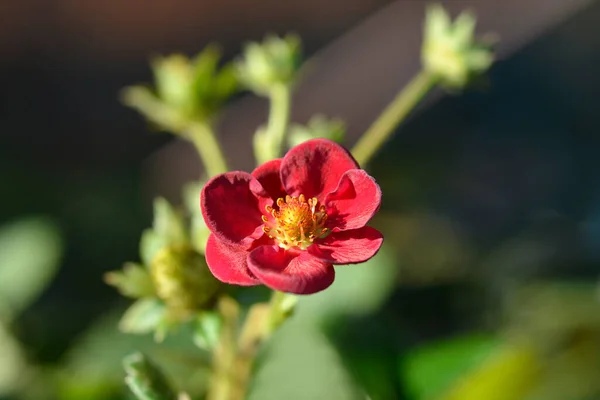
column 270, row 63
column 173, row 77
column 182, row 279
column 450, row 51
column 186, row 90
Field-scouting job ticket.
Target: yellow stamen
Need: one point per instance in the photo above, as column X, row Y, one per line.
column 296, row 222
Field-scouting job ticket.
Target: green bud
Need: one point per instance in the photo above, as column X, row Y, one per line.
column 318, row 126
column 270, row 63
column 182, row 279
column 450, row 50
column 174, row 77
column 186, row 90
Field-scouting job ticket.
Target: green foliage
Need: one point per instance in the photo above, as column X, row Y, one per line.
column 429, row 370
column 300, row 363
column 92, row 368
column 143, row 316
column 30, row 250
column 13, row 363
column 145, row 380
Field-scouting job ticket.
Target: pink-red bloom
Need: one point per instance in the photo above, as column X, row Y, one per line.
column 288, row 222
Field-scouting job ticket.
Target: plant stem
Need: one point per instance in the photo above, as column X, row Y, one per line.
column 207, row 145
column 268, row 144
column 392, row 116
column 281, row 307
column 222, row 383
column 233, row 362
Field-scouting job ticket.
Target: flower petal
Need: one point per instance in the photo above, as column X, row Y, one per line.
column 231, row 211
column 287, row 272
column 354, row 202
column 348, row 247
column 314, row 168
column 268, row 176
column 228, row 263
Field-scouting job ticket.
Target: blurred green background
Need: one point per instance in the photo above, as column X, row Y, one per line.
column 486, row 287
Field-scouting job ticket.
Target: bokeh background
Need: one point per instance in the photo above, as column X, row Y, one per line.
column 491, row 198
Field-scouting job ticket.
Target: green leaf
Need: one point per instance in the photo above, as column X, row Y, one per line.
column 92, row 367
column 145, row 380
column 207, row 330
column 300, row 363
column 429, row 370
column 168, row 224
column 13, row 363
column 133, row 281
column 143, row 316
column 509, row 373
column 30, row 250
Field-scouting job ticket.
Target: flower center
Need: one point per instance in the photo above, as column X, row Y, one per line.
column 296, row 222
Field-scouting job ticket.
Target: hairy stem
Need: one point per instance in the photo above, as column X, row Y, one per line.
column 372, row 140
column 269, row 143
column 207, row 145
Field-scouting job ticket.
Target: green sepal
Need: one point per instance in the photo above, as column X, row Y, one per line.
column 133, row 281
column 143, row 316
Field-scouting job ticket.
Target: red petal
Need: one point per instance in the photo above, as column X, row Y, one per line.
column 228, row 263
column 354, row 202
column 291, row 273
column 314, row 168
column 231, row 211
column 268, row 176
column 348, row 247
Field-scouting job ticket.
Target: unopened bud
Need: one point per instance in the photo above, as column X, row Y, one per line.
column 450, row 50
column 270, row 63
column 182, row 279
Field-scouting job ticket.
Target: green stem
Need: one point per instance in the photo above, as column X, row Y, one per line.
column 234, row 361
column 269, row 143
column 392, row 116
column 281, row 307
column 207, row 145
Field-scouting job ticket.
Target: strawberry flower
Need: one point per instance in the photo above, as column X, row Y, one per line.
column 288, row 222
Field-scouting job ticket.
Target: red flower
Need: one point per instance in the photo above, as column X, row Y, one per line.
column 286, row 224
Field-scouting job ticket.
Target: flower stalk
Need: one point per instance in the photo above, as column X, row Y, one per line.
column 268, row 143
column 396, row 112
column 205, row 141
